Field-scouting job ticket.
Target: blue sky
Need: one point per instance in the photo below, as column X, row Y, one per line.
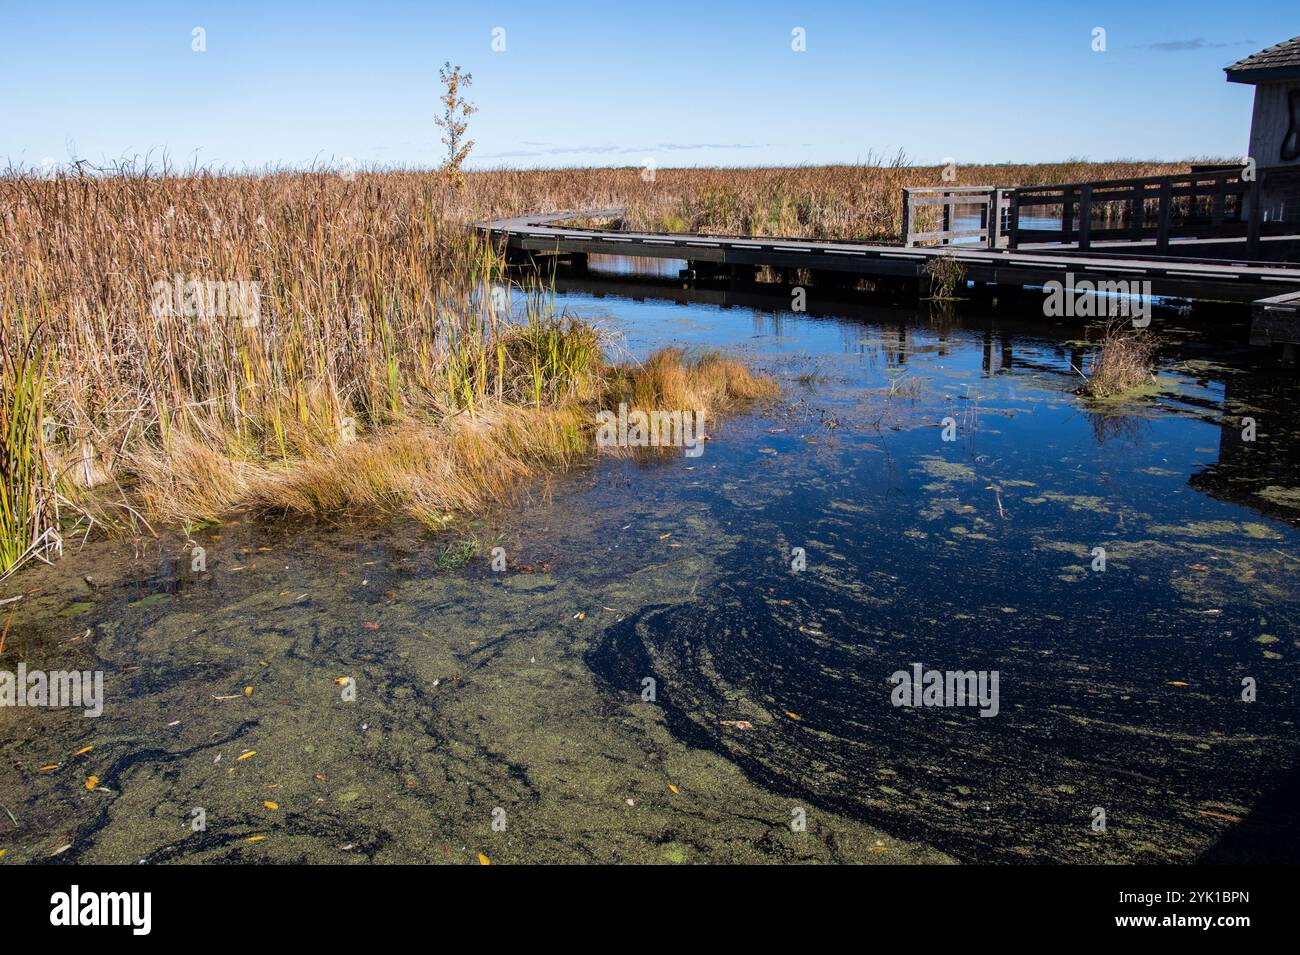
column 619, row 81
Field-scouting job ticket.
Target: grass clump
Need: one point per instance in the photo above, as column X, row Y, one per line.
column 1123, row 364
column 945, row 274
column 457, row 553
column 434, row 466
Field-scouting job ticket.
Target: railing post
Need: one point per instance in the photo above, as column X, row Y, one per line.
column 993, row 215
column 1256, row 220
column 1013, row 220
column 907, row 217
column 1166, row 210
column 947, row 219
column 1067, row 215
column 1085, row 216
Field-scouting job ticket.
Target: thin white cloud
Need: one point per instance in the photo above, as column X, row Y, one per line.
column 1199, row 43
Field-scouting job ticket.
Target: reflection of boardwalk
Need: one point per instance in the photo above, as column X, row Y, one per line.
column 1246, row 470
column 739, row 257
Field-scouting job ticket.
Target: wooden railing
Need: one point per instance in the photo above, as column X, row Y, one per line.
column 1215, row 203
column 985, row 205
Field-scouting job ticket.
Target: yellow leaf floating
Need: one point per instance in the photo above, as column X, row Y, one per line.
column 341, row 680
column 1177, row 683
column 84, row 750
column 255, row 838
column 483, row 860
column 271, row 805
column 793, row 716
column 248, row 691
column 48, row 767
column 3, row 851
column 92, row 782
column 251, row 752
column 673, row 788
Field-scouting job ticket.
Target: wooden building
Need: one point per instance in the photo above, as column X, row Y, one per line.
column 1275, row 125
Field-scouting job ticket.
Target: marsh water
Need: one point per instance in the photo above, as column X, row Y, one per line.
column 506, row 716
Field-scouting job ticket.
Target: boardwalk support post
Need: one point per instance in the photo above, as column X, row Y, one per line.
column 1166, row 211
column 1085, row 216
column 1255, row 219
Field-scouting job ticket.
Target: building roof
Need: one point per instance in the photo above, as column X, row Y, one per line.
column 1281, row 61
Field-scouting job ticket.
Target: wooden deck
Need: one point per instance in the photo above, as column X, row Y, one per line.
column 1185, row 278
column 1276, row 319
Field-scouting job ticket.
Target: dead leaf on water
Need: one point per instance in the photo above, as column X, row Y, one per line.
column 483, row 860
column 271, row 805
column 84, row 750
column 255, row 838
column 92, row 782
column 251, row 752
column 738, row 724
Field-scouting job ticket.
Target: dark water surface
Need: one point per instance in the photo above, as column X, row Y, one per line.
column 518, row 696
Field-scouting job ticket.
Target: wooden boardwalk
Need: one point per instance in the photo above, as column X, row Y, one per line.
column 1186, row 278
